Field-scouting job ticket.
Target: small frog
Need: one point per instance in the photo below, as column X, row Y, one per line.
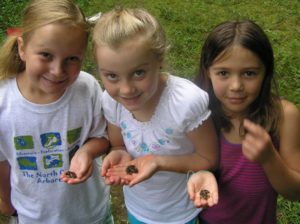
column 204, row 194
column 71, row 174
column 131, row 169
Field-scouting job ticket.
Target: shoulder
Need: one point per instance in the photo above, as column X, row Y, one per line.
column 111, row 107
column 87, row 79
column 187, row 103
column 290, row 126
column 290, row 122
column 86, row 82
column 290, row 110
column 183, row 92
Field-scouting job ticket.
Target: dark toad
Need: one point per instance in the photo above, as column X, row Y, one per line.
column 131, row 169
column 71, row 174
column 204, row 194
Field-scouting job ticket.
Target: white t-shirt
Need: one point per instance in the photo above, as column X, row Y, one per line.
column 182, row 107
column 38, row 141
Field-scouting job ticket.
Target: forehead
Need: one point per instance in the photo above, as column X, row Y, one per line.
column 58, row 36
column 237, row 52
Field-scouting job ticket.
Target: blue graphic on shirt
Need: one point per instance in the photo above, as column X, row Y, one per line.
column 23, row 142
column 123, row 125
column 53, row 161
column 161, row 141
column 169, row 131
column 27, row 163
column 144, row 147
column 128, row 135
column 50, row 140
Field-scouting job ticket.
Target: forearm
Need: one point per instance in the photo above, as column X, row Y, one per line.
column 5, row 189
column 284, row 180
column 96, row 146
column 184, row 163
column 4, row 181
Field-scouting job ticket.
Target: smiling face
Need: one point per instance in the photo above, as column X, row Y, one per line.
column 237, row 77
column 53, row 56
column 131, row 75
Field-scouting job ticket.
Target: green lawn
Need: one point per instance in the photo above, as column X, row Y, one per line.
column 187, row 23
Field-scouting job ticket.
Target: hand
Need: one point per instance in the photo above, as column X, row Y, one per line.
column 81, row 165
column 257, row 145
column 203, row 180
column 146, row 166
column 115, row 157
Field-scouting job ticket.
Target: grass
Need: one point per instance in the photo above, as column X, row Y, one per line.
column 187, row 23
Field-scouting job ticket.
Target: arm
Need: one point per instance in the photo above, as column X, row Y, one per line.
column 205, row 157
column 281, row 167
column 5, row 202
column 82, row 161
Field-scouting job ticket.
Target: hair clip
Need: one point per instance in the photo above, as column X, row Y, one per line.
column 93, row 19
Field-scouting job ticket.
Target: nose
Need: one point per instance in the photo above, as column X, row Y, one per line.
column 57, row 68
column 236, row 83
column 127, row 88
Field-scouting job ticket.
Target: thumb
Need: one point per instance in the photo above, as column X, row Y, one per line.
column 190, row 190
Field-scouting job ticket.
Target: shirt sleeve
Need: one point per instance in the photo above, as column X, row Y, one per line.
column 98, row 128
column 110, row 108
column 2, row 157
column 189, row 105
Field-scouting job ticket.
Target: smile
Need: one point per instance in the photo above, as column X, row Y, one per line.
column 130, row 100
column 55, row 81
column 236, row 100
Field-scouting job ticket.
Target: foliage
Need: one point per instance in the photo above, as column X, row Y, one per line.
column 187, row 23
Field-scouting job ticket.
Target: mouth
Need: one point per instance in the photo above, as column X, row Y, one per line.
column 54, row 82
column 130, row 100
column 236, row 100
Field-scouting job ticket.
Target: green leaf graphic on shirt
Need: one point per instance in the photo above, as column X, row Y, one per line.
column 73, row 135
column 23, row 142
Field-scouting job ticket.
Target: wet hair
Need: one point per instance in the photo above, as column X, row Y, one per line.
column 123, row 24
column 266, row 108
column 38, row 13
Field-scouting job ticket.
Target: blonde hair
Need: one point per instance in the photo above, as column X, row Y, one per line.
column 37, row 14
column 121, row 24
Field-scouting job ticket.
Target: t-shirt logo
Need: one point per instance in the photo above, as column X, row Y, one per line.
column 23, row 142
column 50, row 140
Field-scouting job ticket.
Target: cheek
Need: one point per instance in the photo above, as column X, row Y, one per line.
column 255, row 88
column 219, row 89
column 110, row 88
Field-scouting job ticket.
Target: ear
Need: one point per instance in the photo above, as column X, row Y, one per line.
column 21, row 48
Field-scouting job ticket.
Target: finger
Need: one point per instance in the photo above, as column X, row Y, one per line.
column 137, row 179
column 253, row 128
column 191, row 190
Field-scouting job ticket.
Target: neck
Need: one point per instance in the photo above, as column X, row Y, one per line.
column 236, row 134
column 148, row 111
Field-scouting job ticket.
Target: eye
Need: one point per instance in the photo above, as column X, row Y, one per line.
column 111, row 77
column 222, row 73
column 46, row 55
column 249, row 73
column 139, row 74
column 73, row 59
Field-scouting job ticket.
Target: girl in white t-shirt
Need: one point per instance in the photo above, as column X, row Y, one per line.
column 162, row 120
column 51, row 120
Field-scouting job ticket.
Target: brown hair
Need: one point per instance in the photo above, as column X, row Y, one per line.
column 266, row 109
